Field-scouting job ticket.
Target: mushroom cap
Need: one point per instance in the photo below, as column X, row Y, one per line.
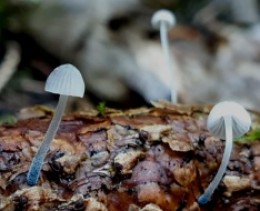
column 163, row 16
column 241, row 120
column 65, row 80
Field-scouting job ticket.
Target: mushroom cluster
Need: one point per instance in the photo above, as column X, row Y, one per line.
column 227, row 120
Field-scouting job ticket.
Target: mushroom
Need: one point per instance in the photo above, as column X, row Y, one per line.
column 66, row 81
column 164, row 20
column 227, row 120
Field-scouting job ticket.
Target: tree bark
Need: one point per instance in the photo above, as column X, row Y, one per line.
column 159, row 158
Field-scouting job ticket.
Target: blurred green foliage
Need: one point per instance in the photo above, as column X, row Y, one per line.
column 252, row 135
column 101, row 108
column 7, row 119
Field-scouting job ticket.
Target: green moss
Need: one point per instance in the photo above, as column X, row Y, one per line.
column 252, row 135
column 7, row 119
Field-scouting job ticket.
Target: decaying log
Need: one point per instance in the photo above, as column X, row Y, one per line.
column 148, row 159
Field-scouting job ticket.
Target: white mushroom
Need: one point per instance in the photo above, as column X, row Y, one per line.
column 66, row 81
column 227, row 120
column 164, row 20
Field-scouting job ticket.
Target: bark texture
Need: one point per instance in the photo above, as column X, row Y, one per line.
column 147, row 159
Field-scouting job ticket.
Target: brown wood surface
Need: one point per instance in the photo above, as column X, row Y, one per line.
column 149, row 159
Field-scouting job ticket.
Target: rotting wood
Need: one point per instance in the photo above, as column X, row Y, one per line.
column 159, row 158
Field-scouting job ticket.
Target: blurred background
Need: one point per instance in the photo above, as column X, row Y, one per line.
column 215, row 45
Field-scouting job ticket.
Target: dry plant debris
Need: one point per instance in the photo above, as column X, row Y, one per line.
column 147, row 159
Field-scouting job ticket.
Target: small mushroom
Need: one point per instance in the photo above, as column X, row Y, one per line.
column 66, row 81
column 164, row 20
column 226, row 120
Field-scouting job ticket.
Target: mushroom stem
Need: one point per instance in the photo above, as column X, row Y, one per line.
column 167, row 55
column 206, row 196
column 37, row 162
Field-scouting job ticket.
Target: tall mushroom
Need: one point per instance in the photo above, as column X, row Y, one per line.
column 66, row 81
column 227, row 120
column 164, row 20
